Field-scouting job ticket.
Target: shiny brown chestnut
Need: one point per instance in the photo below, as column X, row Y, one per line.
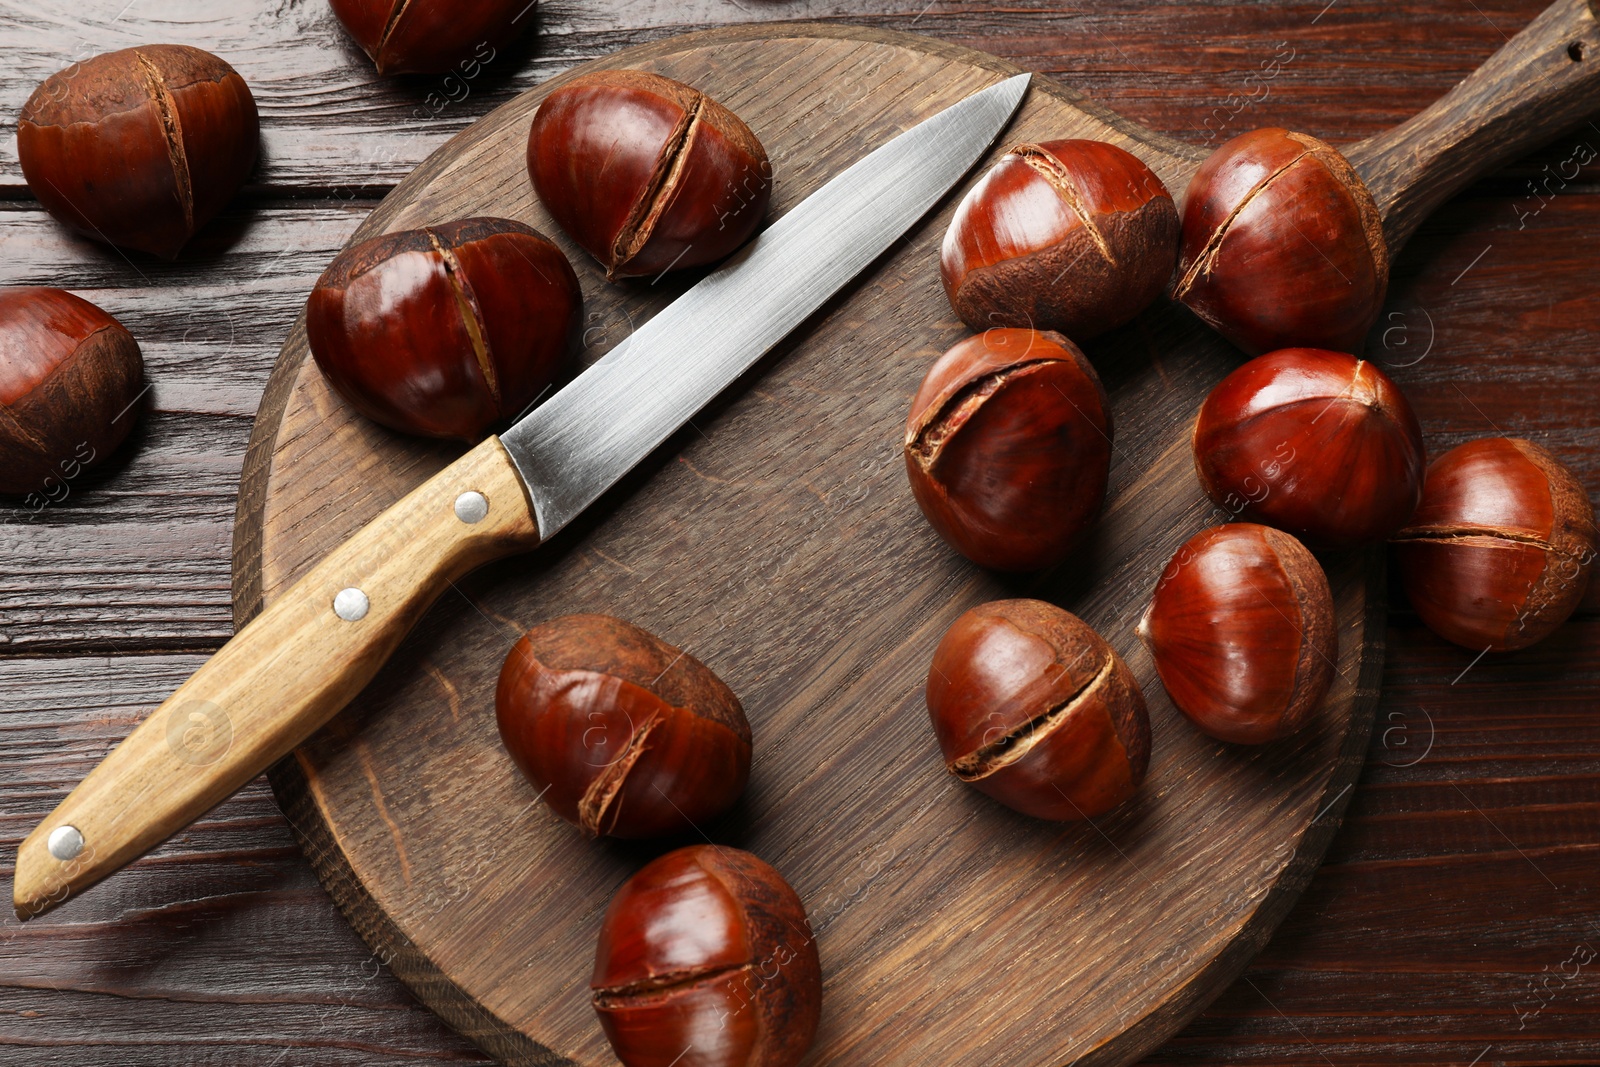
column 1035, row 709
column 1282, row 245
column 706, row 959
column 1241, row 631
column 431, row 36
column 139, row 148
column 1502, row 547
column 446, row 330
column 1316, row 443
column 70, row 375
column 645, row 173
column 622, row 734
column 1075, row 236
column 1008, row 448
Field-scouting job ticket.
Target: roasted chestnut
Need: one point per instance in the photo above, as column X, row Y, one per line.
column 1502, row 547
column 69, row 377
column 1282, row 245
column 1075, row 236
column 431, row 36
column 1035, row 709
column 1317, row 443
column 1241, row 631
column 446, row 330
column 139, row 148
column 647, row 174
column 706, row 959
column 622, row 734
column 1008, row 448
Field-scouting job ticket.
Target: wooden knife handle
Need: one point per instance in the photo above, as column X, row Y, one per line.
column 1543, row 82
column 279, row 678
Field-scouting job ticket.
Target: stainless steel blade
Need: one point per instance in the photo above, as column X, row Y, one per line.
column 582, row 440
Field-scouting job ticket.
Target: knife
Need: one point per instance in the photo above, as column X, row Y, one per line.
column 313, row 649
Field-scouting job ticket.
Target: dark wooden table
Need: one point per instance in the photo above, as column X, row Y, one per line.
column 1456, row 919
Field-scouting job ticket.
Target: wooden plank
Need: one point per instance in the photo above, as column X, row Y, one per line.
column 79, row 573
column 219, row 948
column 1344, row 70
column 1489, row 326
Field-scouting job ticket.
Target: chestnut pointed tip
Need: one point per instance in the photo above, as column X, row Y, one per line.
column 1142, row 630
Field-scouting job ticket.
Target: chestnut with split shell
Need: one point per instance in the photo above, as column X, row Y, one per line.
column 139, row 148
column 1502, row 547
column 647, row 174
column 1033, row 708
column 1008, row 448
column 622, row 734
column 1075, row 236
column 706, row 959
column 1282, row 245
column 70, row 379
column 447, row 330
column 1241, row 629
column 432, row 36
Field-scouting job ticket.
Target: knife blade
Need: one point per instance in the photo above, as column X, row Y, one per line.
column 308, row 653
column 570, row 450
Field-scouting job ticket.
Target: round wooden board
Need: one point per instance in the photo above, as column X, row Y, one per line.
column 776, row 538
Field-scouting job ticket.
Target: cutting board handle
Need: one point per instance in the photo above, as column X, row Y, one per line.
column 279, row 678
column 1543, row 82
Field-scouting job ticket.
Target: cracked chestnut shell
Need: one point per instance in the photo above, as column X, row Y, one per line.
column 1035, row 709
column 1008, row 448
column 1317, row 443
column 139, row 148
column 706, row 959
column 430, row 36
column 622, row 734
column 447, row 330
column 1075, row 236
column 1502, row 547
column 1282, row 245
column 647, row 174
column 1241, row 631
column 69, row 377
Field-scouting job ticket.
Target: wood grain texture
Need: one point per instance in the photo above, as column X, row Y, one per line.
column 1191, row 70
column 289, row 981
column 1542, row 83
column 1413, row 941
column 77, row 574
column 807, row 578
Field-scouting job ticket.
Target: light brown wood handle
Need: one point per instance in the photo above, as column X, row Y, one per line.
column 1541, row 83
column 279, row 678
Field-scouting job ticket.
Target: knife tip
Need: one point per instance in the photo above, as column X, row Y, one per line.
column 1011, row 91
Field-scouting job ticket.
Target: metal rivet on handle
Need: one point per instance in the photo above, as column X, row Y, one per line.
column 65, row 843
column 471, row 507
column 351, row 604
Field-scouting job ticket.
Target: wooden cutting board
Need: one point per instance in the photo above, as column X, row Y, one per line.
column 776, row 539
